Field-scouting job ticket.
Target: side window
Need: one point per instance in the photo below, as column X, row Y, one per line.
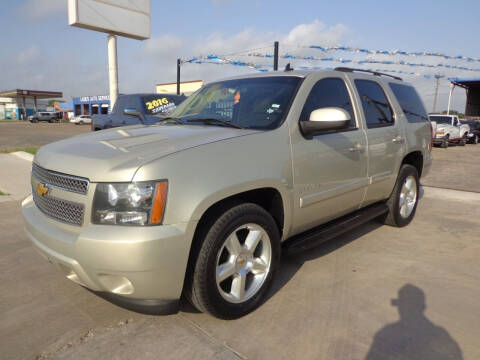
column 410, row 103
column 376, row 107
column 455, row 121
column 331, row 92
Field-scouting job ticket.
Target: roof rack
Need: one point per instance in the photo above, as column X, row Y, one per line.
column 376, row 73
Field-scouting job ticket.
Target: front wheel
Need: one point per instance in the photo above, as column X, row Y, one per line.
column 402, row 203
column 444, row 143
column 236, row 262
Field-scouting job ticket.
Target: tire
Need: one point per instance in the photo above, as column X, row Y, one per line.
column 444, row 143
column 80, row 122
column 225, row 247
column 396, row 215
column 475, row 140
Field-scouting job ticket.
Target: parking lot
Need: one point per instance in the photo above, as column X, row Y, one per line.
column 23, row 134
column 375, row 293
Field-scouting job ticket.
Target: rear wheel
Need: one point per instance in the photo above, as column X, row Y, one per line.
column 236, row 262
column 402, row 203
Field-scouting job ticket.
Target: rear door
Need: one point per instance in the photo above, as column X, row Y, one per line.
column 385, row 137
column 330, row 170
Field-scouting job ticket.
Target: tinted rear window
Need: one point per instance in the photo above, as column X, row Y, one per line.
column 410, row 103
column 126, row 102
column 377, row 109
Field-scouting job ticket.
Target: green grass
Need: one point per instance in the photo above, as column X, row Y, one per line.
column 29, row 149
column 2, row 193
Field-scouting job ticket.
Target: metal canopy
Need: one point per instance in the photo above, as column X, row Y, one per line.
column 32, row 94
column 39, row 94
column 472, row 86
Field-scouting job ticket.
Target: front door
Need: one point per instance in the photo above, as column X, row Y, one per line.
column 330, row 170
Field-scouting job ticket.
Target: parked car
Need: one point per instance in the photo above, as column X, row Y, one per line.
column 449, row 129
column 474, row 133
column 137, row 109
column 81, row 119
column 203, row 203
column 43, row 116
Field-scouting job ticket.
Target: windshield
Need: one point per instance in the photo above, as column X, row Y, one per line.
column 441, row 119
column 252, row 103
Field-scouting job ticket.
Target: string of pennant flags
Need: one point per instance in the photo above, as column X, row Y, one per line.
column 391, row 52
column 366, row 60
column 219, row 60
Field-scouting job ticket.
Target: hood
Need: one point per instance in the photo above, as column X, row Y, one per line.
column 116, row 154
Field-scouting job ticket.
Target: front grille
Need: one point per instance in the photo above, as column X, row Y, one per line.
column 61, row 181
column 66, row 211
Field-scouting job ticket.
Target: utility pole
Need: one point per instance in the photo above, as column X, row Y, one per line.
column 437, row 85
column 275, row 56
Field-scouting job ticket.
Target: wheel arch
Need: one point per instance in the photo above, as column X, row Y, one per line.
column 269, row 198
column 414, row 158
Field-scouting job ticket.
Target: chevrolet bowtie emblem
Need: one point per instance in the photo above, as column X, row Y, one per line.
column 42, row 189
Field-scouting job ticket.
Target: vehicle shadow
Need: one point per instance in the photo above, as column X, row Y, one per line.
column 414, row 336
column 290, row 264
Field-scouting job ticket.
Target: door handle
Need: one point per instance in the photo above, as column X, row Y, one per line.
column 398, row 140
column 357, row 147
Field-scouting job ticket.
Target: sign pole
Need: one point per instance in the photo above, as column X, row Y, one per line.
column 452, row 87
column 178, row 76
column 275, row 56
column 112, row 69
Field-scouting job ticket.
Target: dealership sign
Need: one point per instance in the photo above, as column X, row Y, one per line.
column 129, row 18
column 87, row 99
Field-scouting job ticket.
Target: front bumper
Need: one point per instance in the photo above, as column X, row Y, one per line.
column 134, row 264
column 438, row 139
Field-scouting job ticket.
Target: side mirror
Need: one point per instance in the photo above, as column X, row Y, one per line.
column 326, row 119
column 131, row 112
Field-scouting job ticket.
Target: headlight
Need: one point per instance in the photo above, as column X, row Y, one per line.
column 140, row 203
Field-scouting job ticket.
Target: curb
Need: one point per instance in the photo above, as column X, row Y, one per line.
column 23, row 155
column 450, row 194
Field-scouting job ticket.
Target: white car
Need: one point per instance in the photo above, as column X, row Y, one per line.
column 81, row 119
column 449, row 129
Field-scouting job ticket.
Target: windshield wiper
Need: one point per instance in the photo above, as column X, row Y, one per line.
column 175, row 120
column 214, row 121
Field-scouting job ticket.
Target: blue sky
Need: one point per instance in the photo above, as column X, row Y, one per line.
column 39, row 49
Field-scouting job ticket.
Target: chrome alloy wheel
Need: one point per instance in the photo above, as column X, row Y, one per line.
column 243, row 263
column 408, row 196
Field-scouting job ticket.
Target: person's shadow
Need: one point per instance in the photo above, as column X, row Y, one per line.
column 414, row 336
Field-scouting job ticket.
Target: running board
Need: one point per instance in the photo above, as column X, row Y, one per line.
column 316, row 236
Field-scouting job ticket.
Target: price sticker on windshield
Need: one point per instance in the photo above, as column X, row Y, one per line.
column 160, row 105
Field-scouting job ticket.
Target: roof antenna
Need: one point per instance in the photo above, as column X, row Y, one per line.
column 288, row 67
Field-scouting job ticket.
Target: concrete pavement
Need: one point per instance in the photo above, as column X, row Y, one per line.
column 375, row 293
column 334, row 302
